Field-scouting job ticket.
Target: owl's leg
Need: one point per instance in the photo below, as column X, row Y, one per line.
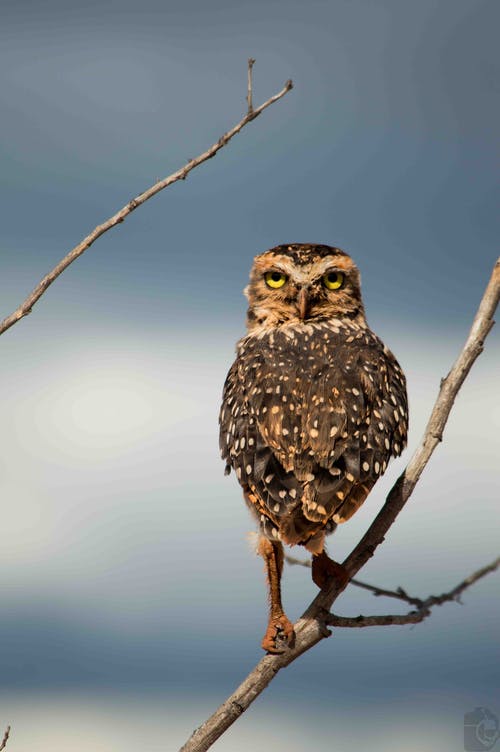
column 325, row 569
column 279, row 625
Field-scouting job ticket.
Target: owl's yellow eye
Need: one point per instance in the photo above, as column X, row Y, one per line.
column 275, row 279
column 333, row 280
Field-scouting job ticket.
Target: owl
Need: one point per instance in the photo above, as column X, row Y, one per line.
column 313, row 409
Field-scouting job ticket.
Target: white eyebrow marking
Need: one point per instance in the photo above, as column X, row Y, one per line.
column 304, row 274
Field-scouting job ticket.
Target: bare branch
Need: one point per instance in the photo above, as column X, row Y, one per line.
column 312, row 627
column 454, row 595
column 117, row 218
column 423, row 610
column 308, row 633
column 5, row 738
column 400, row 593
column 386, row 620
column 251, row 63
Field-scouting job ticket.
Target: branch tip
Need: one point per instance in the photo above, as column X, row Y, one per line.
column 123, row 213
column 251, row 62
column 5, row 738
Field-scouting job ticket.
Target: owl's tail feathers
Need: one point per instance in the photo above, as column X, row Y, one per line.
column 353, row 501
column 323, row 496
column 296, row 529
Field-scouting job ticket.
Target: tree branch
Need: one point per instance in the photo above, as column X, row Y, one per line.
column 385, row 620
column 423, row 610
column 400, row 593
column 312, row 627
column 454, row 595
column 251, row 63
column 5, row 738
column 25, row 308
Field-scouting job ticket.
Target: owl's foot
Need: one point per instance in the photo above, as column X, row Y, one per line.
column 279, row 633
column 325, row 569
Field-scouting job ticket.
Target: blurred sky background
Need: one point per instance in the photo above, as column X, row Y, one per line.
column 131, row 601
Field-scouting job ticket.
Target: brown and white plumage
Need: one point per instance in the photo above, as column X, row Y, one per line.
column 314, row 406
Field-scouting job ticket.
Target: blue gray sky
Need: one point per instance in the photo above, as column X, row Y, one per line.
column 129, row 589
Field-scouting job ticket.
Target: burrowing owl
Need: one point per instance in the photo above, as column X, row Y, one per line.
column 314, row 407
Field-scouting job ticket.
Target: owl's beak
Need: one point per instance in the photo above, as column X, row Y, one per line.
column 303, row 303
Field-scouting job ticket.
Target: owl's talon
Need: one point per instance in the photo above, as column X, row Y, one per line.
column 325, row 569
column 279, row 630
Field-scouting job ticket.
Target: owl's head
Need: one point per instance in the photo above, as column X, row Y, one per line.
column 303, row 283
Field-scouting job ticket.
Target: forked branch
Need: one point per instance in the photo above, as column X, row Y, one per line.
column 424, row 607
column 313, row 625
column 27, row 305
column 400, row 594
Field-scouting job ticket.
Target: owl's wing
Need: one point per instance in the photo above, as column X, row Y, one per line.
column 354, row 420
column 373, row 394
column 244, row 445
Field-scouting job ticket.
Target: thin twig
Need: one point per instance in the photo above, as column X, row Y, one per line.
column 251, row 63
column 454, row 595
column 25, row 308
column 312, row 627
column 400, row 594
column 382, row 620
column 423, row 610
column 5, row 738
